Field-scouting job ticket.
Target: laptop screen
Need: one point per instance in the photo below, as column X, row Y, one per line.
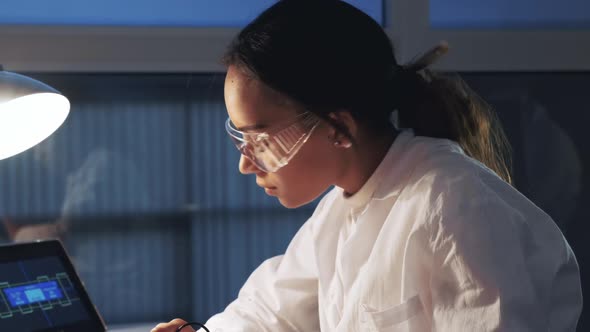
column 41, row 292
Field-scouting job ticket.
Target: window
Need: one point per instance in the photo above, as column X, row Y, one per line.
column 508, row 14
column 111, row 38
column 497, row 35
column 168, row 13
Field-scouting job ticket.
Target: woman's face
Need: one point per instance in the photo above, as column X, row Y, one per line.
column 254, row 107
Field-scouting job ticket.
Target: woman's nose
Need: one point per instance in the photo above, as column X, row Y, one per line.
column 246, row 166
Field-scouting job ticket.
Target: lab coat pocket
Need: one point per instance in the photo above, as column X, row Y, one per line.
column 405, row 317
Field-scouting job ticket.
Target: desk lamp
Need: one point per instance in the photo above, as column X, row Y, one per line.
column 30, row 111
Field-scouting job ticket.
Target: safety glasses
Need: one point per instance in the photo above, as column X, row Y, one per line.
column 271, row 151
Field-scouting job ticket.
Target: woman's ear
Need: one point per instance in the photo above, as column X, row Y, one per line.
column 344, row 129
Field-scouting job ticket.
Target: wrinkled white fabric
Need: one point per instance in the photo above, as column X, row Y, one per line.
column 434, row 241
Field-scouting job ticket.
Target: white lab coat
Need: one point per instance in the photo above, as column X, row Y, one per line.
column 434, row 241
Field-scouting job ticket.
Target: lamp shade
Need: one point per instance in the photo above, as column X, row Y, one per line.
column 30, row 111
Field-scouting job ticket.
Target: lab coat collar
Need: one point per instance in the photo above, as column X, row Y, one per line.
column 390, row 177
column 406, row 154
column 369, row 190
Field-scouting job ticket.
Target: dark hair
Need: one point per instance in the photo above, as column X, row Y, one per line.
column 330, row 56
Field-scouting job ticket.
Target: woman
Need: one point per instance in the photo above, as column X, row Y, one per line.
column 422, row 230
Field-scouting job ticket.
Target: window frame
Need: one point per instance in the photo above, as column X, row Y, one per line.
column 495, row 50
column 198, row 50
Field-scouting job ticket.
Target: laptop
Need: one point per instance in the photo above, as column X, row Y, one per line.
column 40, row 291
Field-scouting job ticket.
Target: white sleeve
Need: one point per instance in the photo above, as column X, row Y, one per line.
column 280, row 295
column 497, row 268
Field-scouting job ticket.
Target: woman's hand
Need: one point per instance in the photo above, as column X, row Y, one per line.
column 172, row 326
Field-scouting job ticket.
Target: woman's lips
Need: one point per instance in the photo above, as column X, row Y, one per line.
column 270, row 191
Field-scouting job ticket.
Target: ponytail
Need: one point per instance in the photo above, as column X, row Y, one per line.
column 444, row 106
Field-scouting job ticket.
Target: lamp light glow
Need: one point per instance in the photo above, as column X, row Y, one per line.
column 30, row 111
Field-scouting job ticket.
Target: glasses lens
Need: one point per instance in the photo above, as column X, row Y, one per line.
column 246, row 144
column 270, row 152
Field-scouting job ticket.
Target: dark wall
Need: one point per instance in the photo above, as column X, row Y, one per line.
column 547, row 119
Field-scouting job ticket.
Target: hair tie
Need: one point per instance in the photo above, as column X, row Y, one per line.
column 428, row 58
